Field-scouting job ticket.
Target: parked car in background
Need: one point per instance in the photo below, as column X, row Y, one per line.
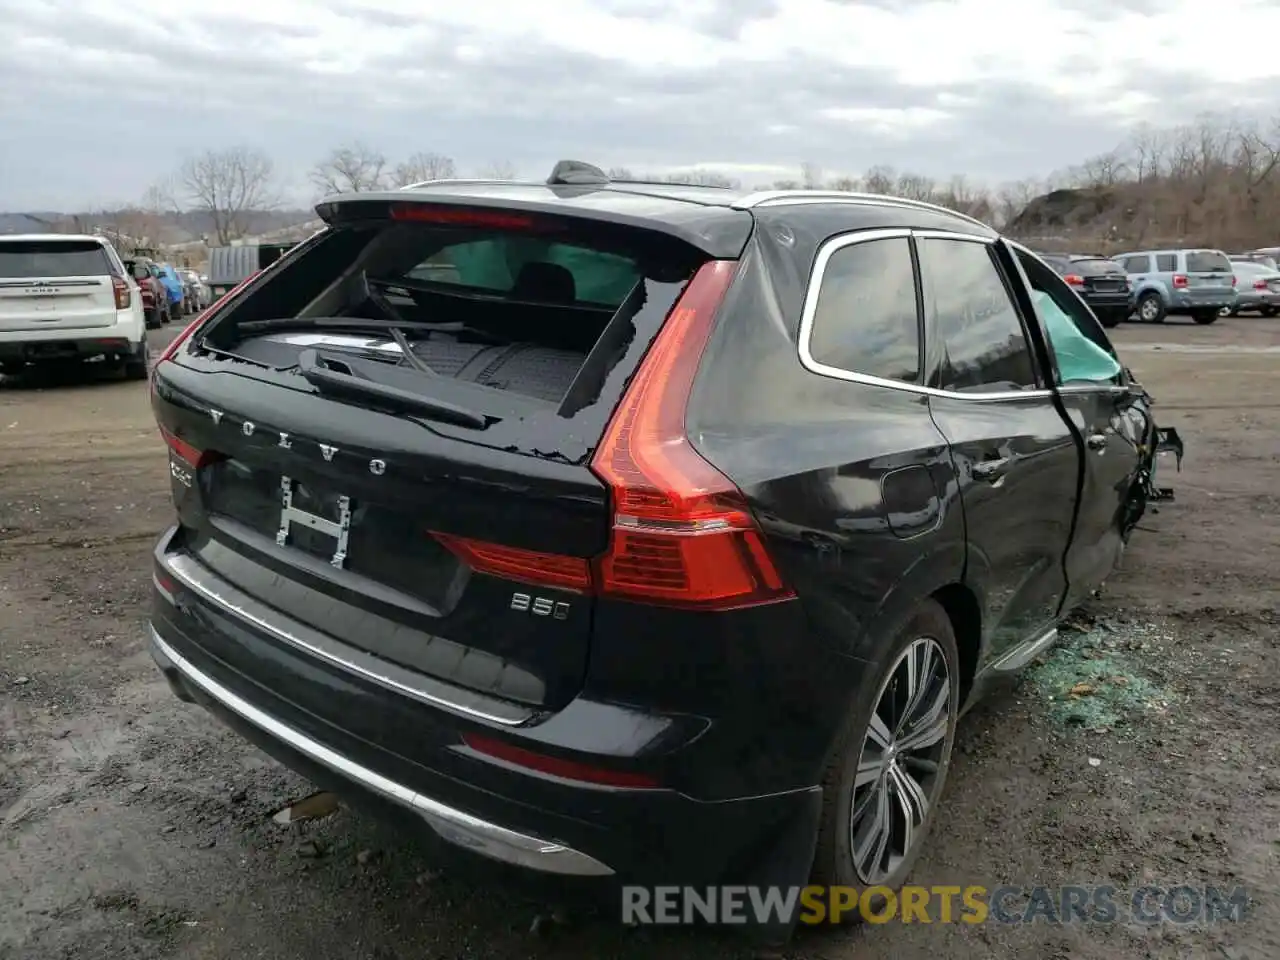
column 1262, row 258
column 691, row 589
column 1100, row 282
column 1268, row 255
column 196, row 297
column 230, row 266
column 175, row 288
column 1195, row 282
column 1257, row 289
column 67, row 298
column 155, row 296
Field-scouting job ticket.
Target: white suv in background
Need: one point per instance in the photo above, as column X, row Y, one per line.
column 67, row 297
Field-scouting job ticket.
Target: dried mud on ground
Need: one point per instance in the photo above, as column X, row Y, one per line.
column 132, row 825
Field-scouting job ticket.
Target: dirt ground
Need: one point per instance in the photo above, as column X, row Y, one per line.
column 132, row 825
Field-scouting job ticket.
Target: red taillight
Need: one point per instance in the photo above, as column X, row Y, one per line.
column 1257, row 284
column 197, row 458
column 463, row 217
column 524, row 566
column 1180, row 281
column 1074, row 279
column 123, row 295
column 556, row 767
column 683, row 534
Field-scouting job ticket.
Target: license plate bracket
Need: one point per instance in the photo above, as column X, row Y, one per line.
column 336, row 526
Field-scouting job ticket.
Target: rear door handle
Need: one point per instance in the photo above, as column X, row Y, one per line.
column 1097, row 441
column 991, row 470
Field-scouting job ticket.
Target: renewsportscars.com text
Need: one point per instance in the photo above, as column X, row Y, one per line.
column 972, row 904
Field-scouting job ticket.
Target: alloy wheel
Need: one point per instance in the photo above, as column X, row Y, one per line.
column 898, row 769
column 1149, row 309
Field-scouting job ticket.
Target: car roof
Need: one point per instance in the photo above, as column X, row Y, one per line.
column 735, row 198
column 715, row 219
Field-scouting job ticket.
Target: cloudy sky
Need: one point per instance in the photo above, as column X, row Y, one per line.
column 100, row 98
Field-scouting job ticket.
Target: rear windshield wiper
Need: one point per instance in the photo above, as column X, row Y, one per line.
column 345, row 374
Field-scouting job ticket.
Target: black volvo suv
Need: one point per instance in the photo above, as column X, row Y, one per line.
column 632, row 530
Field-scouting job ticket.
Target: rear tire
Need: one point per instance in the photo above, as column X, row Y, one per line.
column 1150, row 308
column 1205, row 317
column 861, row 791
column 1111, row 319
column 1269, row 311
column 138, row 366
column 154, row 319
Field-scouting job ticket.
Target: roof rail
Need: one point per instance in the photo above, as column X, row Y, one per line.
column 453, row 182
column 782, row 196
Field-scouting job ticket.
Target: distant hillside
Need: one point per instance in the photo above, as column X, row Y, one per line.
column 169, row 228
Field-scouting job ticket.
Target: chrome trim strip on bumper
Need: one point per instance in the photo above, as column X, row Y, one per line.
column 231, row 600
column 453, row 826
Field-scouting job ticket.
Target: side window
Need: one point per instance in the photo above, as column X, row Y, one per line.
column 981, row 343
column 1166, row 262
column 865, row 320
column 1139, row 264
column 1080, row 349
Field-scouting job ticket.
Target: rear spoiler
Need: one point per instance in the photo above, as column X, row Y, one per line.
column 717, row 233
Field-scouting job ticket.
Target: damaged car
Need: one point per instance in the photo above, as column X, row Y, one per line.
column 642, row 533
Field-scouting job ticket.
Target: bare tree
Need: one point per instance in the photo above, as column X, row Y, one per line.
column 879, row 180
column 914, row 186
column 354, row 168
column 846, row 184
column 810, row 175
column 422, row 167
column 1012, row 198
column 229, row 186
column 702, row 178
column 620, row 173
column 499, row 170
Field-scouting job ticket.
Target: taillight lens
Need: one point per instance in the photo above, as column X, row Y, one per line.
column 1074, row 279
column 123, row 295
column 683, row 534
column 523, row 566
column 193, row 456
column 1257, row 284
column 1180, row 281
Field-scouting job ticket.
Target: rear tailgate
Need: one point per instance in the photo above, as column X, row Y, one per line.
column 52, row 284
column 1102, row 276
column 373, row 524
column 1210, row 277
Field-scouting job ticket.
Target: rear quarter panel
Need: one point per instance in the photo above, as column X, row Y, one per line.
column 853, row 484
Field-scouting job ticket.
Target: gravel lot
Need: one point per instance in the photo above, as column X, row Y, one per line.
column 132, row 825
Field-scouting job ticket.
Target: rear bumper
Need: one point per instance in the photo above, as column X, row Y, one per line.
column 456, row 826
column 67, row 348
column 37, row 344
column 345, row 728
column 1253, row 299
column 1180, row 300
column 1109, row 303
